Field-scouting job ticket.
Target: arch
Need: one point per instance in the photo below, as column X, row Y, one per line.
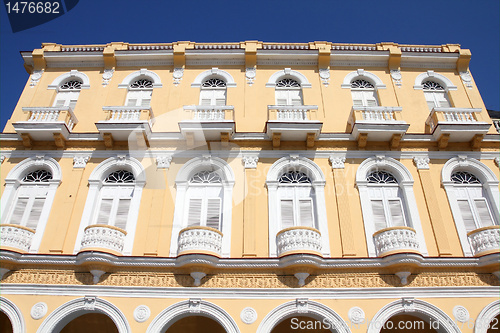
column 362, row 74
column 287, row 72
column 464, row 163
column 14, row 314
column 313, row 171
column 72, row 74
column 214, row 72
column 138, row 74
column 485, row 317
column 32, row 163
column 72, row 309
column 116, row 163
column 192, row 307
column 202, row 163
column 302, row 307
column 406, row 305
column 440, row 78
column 405, row 181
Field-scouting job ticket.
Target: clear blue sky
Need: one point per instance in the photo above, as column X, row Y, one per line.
column 473, row 24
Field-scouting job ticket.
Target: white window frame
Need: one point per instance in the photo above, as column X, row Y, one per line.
column 366, row 95
column 289, row 94
column 139, row 95
column 298, row 195
column 211, row 93
column 386, row 198
column 438, row 98
column 201, row 192
column 405, row 183
column 13, row 183
column 490, row 190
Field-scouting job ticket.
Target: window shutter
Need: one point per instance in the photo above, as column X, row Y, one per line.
column 145, row 102
column 59, row 103
column 194, row 214
column 122, row 213
column 396, row 213
column 220, row 97
column 105, row 211
column 483, row 212
column 36, row 211
column 357, row 98
column 429, row 97
column 378, row 215
column 281, row 97
column 306, row 213
column 467, row 216
column 286, row 214
column 131, row 102
column 213, row 213
column 441, row 99
column 17, row 214
column 371, row 98
column 295, row 97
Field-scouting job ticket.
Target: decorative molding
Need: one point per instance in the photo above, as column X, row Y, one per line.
column 250, row 74
column 356, row 315
column 163, row 162
column 16, row 237
column 461, row 314
column 400, row 239
column 302, row 305
column 324, row 74
column 138, row 74
column 80, row 161
column 301, row 278
column 337, row 161
column 430, row 74
column 288, row 72
column 497, row 161
column 106, row 76
column 485, row 317
column 89, row 303
column 466, row 79
column 194, row 305
column 14, row 314
column 2, row 158
column 177, row 75
column 298, row 240
column 397, row 77
column 484, row 240
column 228, row 78
column 250, row 161
column 248, row 315
column 197, row 277
column 142, row 313
column 422, row 162
column 361, row 73
column 35, row 78
column 39, row 310
column 73, row 73
column 408, row 304
column 403, row 277
column 103, row 237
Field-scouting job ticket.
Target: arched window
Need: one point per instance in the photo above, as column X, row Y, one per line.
column 213, row 92
column 288, row 92
column 435, row 95
column 205, row 195
column 68, row 93
column 296, row 196
column 139, row 92
column 363, row 93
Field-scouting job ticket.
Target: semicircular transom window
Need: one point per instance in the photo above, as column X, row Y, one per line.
column 120, row 177
column 464, row 177
column 381, row 177
column 214, row 83
column 142, row 84
column 435, row 95
column 294, row 177
column 287, row 83
column 361, row 84
column 71, row 85
column 206, row 177
column 38, row 176
column 363, row 93
column 431, row 85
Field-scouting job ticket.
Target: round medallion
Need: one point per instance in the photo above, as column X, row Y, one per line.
column 250, row 73
column 36, row 76
column 466, row 76
column 39, row 310
column 141, row 313
column 324, row 73
column 461, row 314
column 248, row 315
column 178, row 72
column 356, row 315
column 396, row 75
column 107, row 74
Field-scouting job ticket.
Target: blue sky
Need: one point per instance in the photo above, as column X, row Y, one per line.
column 473, row 24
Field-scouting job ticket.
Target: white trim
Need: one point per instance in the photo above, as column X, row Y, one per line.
column 405, row 182
column 296, row 163
column 56, row 321
column 188, row 170
column 303, row 307
column 362, row 74
column 415, row 307
column 228, row 78
column 440, row 78
column 73, row 73
column 14, row 314
column 490, row 186
column 485, row 317
column 192, row 307
column 141, row 73
column 13, row 182
column 287, row 72
column 95, row 184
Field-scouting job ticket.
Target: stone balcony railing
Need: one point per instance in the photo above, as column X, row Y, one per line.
column 204, row 113
column 57, row 114
column 381, row 114
column 125, row 114
column 298, row 240
column 101, row 237
column 16, row 237
column 396, row 240
column 292, row 112
column 485, row 240
column 453, row 116
column 200, row 240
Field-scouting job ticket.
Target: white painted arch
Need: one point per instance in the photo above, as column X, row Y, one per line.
column 140, row 74
column 192, row 307
column 364, row 75
column 288, row 73
column 214, row 72
column 73, row 74
column 14, row 314
column 302, row 307
column 56, row 321
column 440, row 78
column 485, row 317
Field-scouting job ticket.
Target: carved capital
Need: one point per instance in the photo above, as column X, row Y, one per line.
column 80, row 161
column 163, row 162
column 250, row 162
column 422, row 162
column 337, row 161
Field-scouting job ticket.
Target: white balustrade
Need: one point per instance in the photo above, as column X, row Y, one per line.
column 376, row 115
column 292, row 114
column 198, row 239
column 16, row 236
column 484, row 240
column 103, row 237
column 209, row 114
column 50, row 114
column 298, row 240
column 458, row 116
column 395, row 239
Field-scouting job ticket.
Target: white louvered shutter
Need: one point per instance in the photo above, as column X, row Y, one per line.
column 286, row 214
column 194, row 213
column 122, row 213
column 295, row 97
column 441, row 99
column 378, row 215
column 35, row 212
column 19, row 209
column 370, row 97
column 483, row 212
column 213, row 213
column 281, row 97
column 429, row 98
column 219, row 97
column 105, row 211
column 139, row 98
column 306, row 213
column 396, row 210
column 357, row 98
column 467, row 215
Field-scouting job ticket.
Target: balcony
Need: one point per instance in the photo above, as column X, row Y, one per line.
column 457, row 125
column 293, row 123
column 485, row 240
column 200, row 240
column 16, row 237
column 207, row 123
column 121, row 121
column 396, row 240
column 377, row 123
column 46, row 124
column 101, row 237
column 298, row 240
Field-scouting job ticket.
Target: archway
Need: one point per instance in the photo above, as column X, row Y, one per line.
column 90, row 322
column 5, row 324
column 195, row 324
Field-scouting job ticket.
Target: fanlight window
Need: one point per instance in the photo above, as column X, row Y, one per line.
column 296, row 198
column 139, row 93
column 205, row 195
column 363, row 93
column 68, row 93
column 474, row 207
column 213, row 92
column 386, row 200
column 30, row 199
column 288, row 92
column 435, row 95
column 120, row 177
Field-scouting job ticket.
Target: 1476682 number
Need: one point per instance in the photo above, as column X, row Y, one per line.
column 40, row 7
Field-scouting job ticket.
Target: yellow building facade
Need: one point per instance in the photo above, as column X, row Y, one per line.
column 249, row 187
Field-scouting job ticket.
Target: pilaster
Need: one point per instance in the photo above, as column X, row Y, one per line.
column 249, row 207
